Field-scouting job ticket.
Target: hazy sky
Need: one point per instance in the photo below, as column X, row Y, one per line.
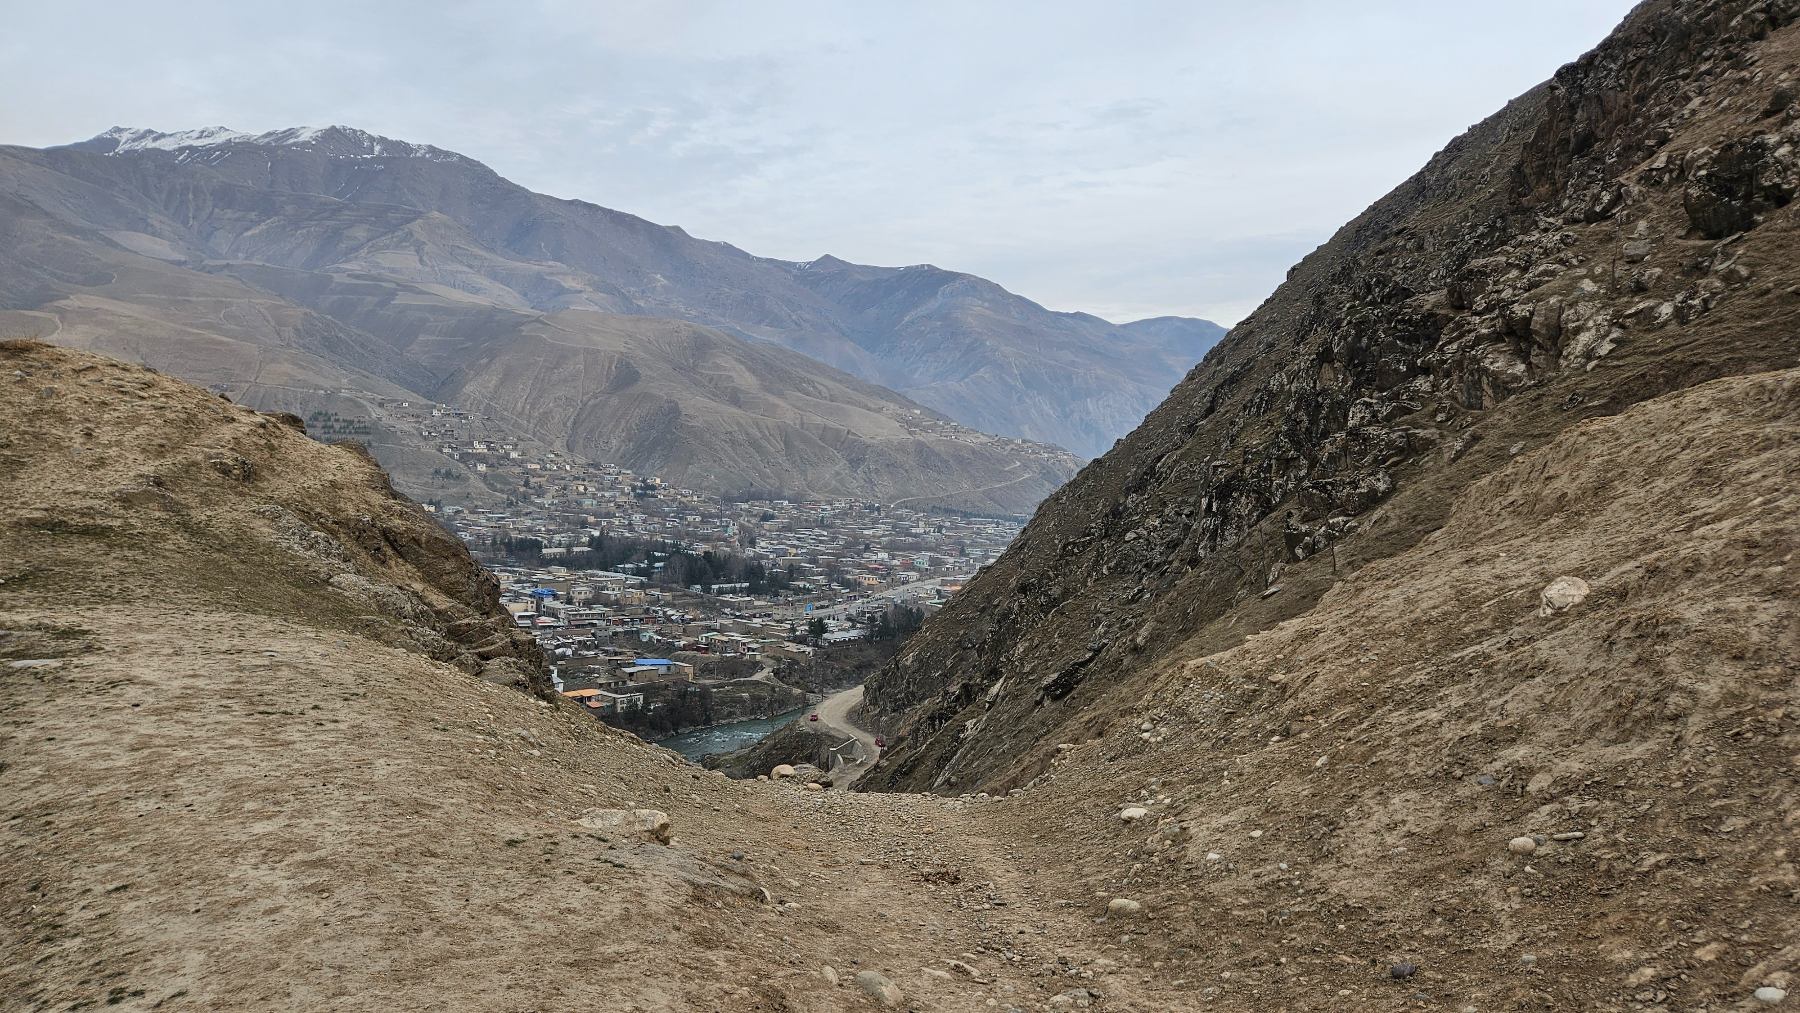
column 1125, row 158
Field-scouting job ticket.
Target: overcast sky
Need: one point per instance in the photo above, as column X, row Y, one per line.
column 1129, row 159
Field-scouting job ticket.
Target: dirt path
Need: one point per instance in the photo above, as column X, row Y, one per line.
column 422, row 850
column 834, row 713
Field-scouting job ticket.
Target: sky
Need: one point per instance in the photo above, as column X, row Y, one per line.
column 1129, row 159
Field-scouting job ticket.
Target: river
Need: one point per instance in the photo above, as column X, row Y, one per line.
column 725, row 738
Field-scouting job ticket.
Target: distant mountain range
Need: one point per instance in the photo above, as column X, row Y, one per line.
column 331, row 257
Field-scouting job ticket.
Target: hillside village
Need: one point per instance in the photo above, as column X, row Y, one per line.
column 649, row 597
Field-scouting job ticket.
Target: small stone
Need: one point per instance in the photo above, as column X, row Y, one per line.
column 781, row 770
column 877, row 987
column 1769, row 995
column 829, row 973
column 1573, row 835
column 1528, row 960
column 1562, row 594
column 1521, row 845
column 1123, row 907
column 737, row 856
column 1403, row 970
column 1133, row 813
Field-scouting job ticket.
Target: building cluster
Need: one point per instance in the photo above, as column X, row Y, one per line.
column 633, row 586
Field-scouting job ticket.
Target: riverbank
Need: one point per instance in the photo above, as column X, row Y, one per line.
column 727, row 736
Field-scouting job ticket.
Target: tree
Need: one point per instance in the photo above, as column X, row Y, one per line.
column 815, row 627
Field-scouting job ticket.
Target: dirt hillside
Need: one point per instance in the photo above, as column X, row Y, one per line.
column 1620, row 233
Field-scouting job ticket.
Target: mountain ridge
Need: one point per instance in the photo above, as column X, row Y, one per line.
column 199, row 267
column 958, row 354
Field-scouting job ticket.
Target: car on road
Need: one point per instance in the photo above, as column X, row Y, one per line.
column 812, row 717
column 880, row 742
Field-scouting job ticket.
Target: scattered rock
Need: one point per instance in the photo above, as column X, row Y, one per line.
column 1403, row 970
column 1134, row 813
column 1521, row 846
column 1769, row 995
column 830, row 975
column 781, row 770
column 1123, row 907
column 877, row 987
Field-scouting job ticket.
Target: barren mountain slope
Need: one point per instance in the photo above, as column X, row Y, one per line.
column 1336, row 794
column 984, row 356
column 1619, row 233
column 709, row 411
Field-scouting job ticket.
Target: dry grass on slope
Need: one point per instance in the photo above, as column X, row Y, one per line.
column 1339, row 791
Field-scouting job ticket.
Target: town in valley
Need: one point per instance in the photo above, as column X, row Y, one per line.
column 664, row 608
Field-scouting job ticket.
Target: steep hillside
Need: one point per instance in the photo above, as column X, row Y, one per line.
column 342, row 208
column 709, row 411
column 978, row 353
column 1615, row 235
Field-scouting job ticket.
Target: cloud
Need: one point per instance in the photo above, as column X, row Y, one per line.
column 1131, row 160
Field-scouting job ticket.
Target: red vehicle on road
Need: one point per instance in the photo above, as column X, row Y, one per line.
column 812, row 717
column 880, row 742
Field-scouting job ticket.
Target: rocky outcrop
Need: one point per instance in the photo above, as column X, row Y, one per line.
column 1614, row 234
column 798, row 742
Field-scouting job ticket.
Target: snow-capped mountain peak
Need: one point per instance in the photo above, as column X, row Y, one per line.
column 335, row 141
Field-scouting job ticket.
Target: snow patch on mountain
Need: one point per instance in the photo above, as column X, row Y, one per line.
column 336, row 141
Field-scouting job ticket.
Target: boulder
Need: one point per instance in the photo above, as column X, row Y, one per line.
column 877, row 987
column 1123, row 907
column 647, row 824
column 781, row 770
column 1562, row 594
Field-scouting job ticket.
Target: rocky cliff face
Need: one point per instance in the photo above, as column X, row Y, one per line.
column 1615, row 234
